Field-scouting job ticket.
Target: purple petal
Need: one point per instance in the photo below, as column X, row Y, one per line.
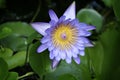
column 75, row 51
column 62, row 54
column 58, row 58
column 42, row 48
column 45, row 39
column 69, row 53
column 68, row 60
column 54, row 63
column 51, row 55
column 77, row 60
column 40, row 27
column 90, row 28
column 70, row 12
column 51, row 47
column 53, row 16
column 86, row 27
column 55, row 52
column 89, row 45
column 82, row 52
column 80, row 46
column 84, row 33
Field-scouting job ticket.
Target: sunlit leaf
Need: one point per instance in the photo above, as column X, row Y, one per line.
column 16, row 60
column 18, row 38
column 5, row 31
column 6, row 53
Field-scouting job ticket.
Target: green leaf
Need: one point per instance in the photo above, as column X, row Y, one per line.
column 12, row 76
column 116, row 8
column 91, row 16
column 18, row 39
column 108, row 2
column 4, row 32
column 16, row 60
column 6, row 53
column 77, row 72
column 34, row 36
column 40, row 63
column 96, row 56
column 19, row 28
column 116, row 74
column 66, row 77
column 3, row 69
column 111, row 42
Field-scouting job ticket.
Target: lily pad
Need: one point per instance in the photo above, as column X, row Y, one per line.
column 92, row 17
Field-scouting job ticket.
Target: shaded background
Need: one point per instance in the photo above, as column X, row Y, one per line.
column 24, row 10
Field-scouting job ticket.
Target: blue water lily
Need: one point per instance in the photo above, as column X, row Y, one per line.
column 64, row 37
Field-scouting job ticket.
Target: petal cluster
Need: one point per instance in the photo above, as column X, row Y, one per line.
column 64, row 37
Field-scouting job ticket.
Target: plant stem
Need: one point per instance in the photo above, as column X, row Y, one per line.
column 25, row 75
column 37, row 11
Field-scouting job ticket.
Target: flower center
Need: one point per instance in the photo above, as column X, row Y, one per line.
column 64, row 35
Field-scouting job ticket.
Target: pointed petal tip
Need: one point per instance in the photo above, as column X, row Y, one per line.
column 70, row 11
column 42, row 48
column 40, row 27
column 73, row 3
column 54, row 63
column 77, row 60
column 53, row 15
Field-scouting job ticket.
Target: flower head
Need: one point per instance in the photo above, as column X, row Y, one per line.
column 65, row 37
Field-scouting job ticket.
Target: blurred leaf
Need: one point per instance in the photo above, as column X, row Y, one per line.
column 116, row 74
column 77, row 72
column 108, row 2
column 2, row 3
column 116, row 8
column 5, row 53
column 16, row 60
column 66, row 77
column 40, row 63
column 18, row 38
column 12, row 76
column 5, row 31
column 16, row 43
column 111, row 42
column 19, row 28
column 91, row 16
column 96, row 56
column 3, row 69
column 34, row 36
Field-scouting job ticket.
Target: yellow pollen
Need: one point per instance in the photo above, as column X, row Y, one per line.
column 64, row 36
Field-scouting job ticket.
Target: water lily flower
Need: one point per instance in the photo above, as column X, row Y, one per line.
column 64, row 37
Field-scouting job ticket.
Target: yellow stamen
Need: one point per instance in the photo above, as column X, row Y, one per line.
column 64, row 36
